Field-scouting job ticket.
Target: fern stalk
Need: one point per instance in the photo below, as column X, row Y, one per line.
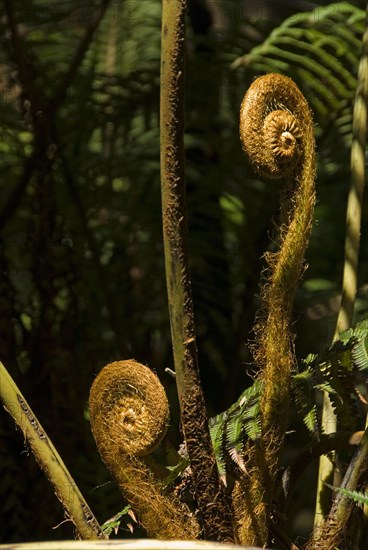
column 49, row 459
column 330, row 535
column 276, row 131
column 352, row 244
column 209, row 492
column 355, row 198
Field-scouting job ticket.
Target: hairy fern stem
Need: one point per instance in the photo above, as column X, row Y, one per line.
column 276, row 130
column 129, row 414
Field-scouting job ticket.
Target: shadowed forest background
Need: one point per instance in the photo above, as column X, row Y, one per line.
column 81, row 253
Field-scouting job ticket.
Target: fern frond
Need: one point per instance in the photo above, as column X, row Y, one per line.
column 229, row 430
column 360, row 347
column 357, row 496
column 234, row 438
column 217, row 430
column 333, row 371
column 336, row 368
column 304, row 390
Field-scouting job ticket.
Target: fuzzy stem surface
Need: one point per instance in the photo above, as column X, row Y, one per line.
column 209, row 493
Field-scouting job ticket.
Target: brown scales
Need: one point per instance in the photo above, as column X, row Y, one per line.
column 276, row 131
column 129, row 415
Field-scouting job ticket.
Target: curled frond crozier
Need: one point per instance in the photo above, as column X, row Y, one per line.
column 276, row 131
column 128, row 405
column 129, row 415
column 273, row 116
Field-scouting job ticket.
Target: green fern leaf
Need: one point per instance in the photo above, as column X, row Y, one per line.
column 248, row 408
column 336, row 368
column 334, row 371
column 360, row 347
column 217, row 430
column 230, row 429
column 303, row 389
column 354, row 495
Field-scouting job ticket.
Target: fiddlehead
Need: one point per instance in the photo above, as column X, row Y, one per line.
column 276, row 130
column 272, row 125
column 129, row 414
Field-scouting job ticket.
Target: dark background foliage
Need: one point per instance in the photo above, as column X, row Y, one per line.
column 81, row 254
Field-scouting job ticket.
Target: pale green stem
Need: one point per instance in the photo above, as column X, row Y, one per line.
column 49, row 460
column 352, row 243
column 358, row 465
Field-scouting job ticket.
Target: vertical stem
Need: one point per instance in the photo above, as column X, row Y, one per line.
column 352, row 244
column 356, row 468
column 355, row 199
column 334, row 530
column 209, row 493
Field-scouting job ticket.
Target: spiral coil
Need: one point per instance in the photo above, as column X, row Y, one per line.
column 128, row 408
column 273, row 116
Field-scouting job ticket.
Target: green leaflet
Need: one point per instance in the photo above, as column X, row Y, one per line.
column 230, row 429
column 360, row 347
column 334, row 371
column 303, row 388
column 216, row 425
column 360, row 355
column 354, row 495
